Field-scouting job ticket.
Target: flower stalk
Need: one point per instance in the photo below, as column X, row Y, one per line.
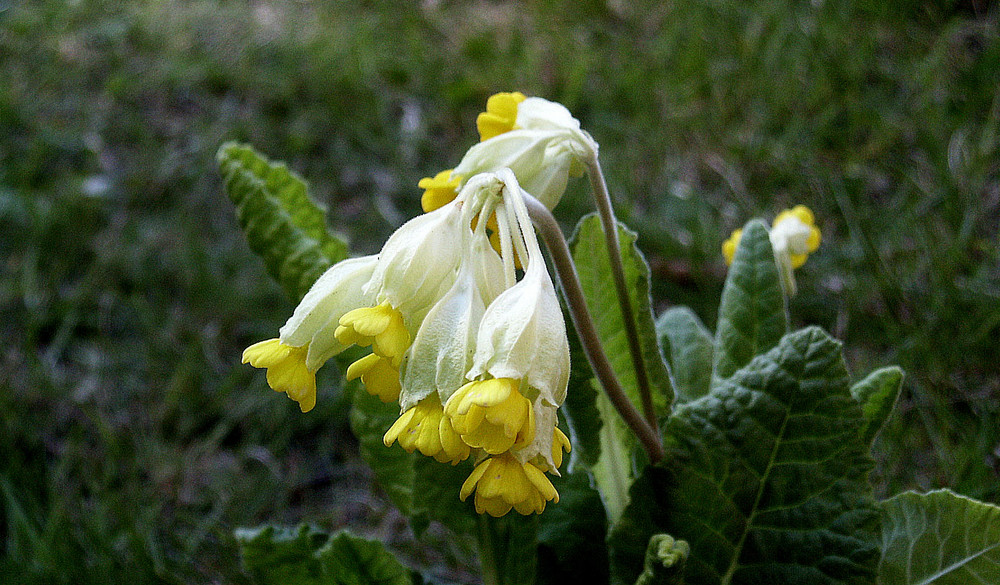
column 609, row 223
column 551, row 233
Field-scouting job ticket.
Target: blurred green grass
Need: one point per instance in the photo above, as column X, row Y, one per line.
column 133, row 441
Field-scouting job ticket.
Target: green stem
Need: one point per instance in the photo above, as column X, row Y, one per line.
column 508, row 549
column 549, row 229
column 610, row 225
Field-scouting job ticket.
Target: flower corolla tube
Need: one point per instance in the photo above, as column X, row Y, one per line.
column 468, row 338
column 793, row 236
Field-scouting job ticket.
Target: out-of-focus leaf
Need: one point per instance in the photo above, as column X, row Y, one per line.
column 281, row 223
column 350, row 560
column 571, row 534
column 752, row 311
column 423, row 489
column 307, row 556
column 765, row 477
column 688, row 346
column 939, row 538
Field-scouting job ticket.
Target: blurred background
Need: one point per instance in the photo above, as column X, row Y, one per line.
column 132, row 441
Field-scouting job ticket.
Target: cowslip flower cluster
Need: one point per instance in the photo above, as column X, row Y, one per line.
column 793, row 236
column 539, row 140
column 472, row 347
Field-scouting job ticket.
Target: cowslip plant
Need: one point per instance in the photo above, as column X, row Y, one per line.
column 618, row 447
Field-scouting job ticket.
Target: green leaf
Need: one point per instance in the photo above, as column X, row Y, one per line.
column 766, row 477
column 282, row 555
column 508, row 551
column 571, row 534
column 594, row 268
column 307, row 556
column 688, row 345
column 939, row 538
column 752, row 311
column 583, row 420
column 281, row 223
column 877, row 395
column 613, row 471
column 351, row 560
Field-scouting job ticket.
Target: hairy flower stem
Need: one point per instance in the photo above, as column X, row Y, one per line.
column 549, row 229
column 602, row 200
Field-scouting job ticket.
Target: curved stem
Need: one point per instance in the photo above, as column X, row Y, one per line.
column 566, row 272
column 610, row 225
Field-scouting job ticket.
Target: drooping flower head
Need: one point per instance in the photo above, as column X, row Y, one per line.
column 539, row 140
column 306, row 341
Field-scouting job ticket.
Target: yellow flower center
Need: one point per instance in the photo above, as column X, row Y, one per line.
column 439, row 190
column 382, row 328
column 503, row 482
column 424, row 427
column 492, row 415
column 500, row 115
column 286, row 370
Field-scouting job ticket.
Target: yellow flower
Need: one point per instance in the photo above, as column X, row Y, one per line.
column 492, row 415
column 378, row 375
column 500, row 115
column 730, row 245
column 560, row 443
column 503, row 482
column 382, row 328
column 439, row 190
column 424, row 427
column 286, row 370
column 797, row 227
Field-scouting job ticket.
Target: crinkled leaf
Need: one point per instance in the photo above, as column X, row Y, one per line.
column 307, row 556
column 594, row 268
column 752, row 310
column 571, row 534
column 281, row 223
column 687, row 344
column 285, row 556
column 877, row 395
column 939, row 538
column 765, row 477
column 350, row 560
